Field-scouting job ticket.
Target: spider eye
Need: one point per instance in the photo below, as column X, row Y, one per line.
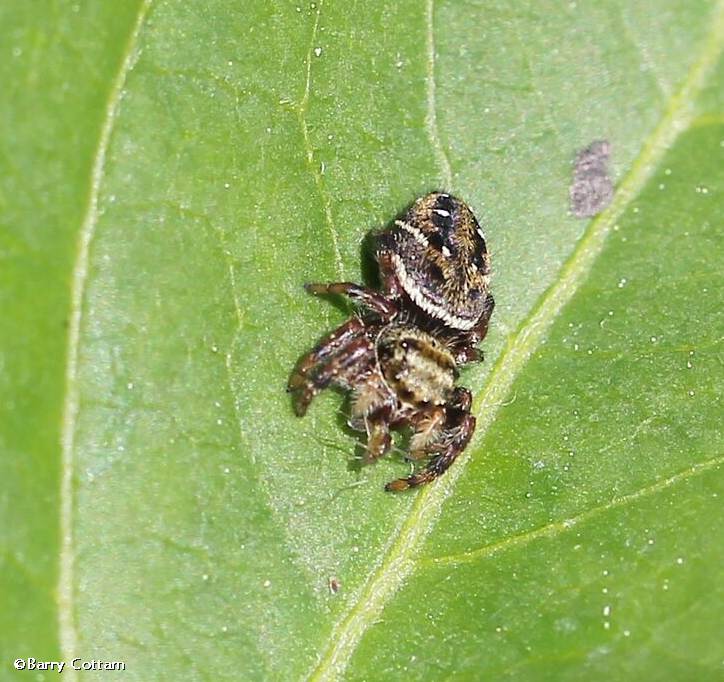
column 436, row 240
column 444, row 203
column 436, row 272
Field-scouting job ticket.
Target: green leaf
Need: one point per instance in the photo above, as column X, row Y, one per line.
column 172, row 175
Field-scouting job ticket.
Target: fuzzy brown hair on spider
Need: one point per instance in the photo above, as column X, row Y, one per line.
column 399, row 357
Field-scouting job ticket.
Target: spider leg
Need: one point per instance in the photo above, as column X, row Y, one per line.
column 480, row 330
column 378, row 434
column 451, row 441
column 427, row 430
column 440, row 463
column 462, row 399
column 466, row 355
column 388, row 273
column 327, row 347
column 365, row 296
column 323, row 366
column 466, row 351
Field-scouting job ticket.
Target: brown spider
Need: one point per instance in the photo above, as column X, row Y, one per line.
column 399, row 356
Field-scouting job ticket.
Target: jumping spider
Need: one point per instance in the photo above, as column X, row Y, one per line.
column 400, row 355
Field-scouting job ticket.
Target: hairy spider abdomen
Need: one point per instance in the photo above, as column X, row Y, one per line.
column 418, row 368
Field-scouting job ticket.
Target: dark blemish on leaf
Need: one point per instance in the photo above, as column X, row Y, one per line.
column 591, row 190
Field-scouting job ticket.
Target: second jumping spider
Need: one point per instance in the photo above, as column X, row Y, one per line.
column 400, row 356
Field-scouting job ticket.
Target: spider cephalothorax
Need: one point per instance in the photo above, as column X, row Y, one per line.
column 399, row 357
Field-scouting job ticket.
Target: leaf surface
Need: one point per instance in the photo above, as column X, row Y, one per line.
column 191, row 524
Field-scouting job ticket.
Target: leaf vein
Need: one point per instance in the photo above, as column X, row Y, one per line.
column 659, row 82
column 431, row 125
column 66, row 622
column 557, row 528
column 309, row 149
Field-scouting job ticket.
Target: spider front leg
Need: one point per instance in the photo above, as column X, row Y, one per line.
column 329, row 360
column 369, row 298
column 451, row 441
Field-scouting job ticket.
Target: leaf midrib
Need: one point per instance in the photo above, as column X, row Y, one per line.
column 398, row 563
